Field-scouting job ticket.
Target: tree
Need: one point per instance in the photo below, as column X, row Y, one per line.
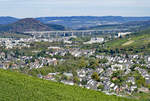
column 140, row 81
column 63, row 77
column 134, row 66
column 95, row 76
column 104, row 60
column 142, row 61
column 82, row 63
column 76, row 80
column 101, row 87
column 94, row 63
column 117, row 77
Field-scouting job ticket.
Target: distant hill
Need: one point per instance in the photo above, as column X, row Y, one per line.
column 100, row 18
column 19, row 87
column 29, row 24
column 8, row 20
column 76, row 22
column 142, row 25
column 130, row 26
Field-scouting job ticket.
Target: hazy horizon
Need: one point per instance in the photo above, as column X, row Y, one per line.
column 57, row 8
column 73, row 16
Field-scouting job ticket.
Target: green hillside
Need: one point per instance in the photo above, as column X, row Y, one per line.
column 19, row 87
column 136, row 43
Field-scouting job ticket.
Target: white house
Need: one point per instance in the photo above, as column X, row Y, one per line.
column 123, row 33
column 95, row 40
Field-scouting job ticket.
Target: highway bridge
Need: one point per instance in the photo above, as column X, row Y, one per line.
column 69, row 33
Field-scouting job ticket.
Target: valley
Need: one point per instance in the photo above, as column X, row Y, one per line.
column 106, row 62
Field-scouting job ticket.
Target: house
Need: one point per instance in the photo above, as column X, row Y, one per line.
column 127, row 71
column 6, row 65
column 91, row 84
column 148, row 59
column 67, row 82
column 99, row 70
column 39, row 76
column 132, row 88
column 95, row 40
column 68, row 42
column 147, row 79
column 81, row 73
column 76, row 53
column 115, row 88
column 108, row 72
column 1, row 66
column 56, row 48
column 2, row 55
column 143, row 89
column 123, row 33
column 131, row 79
column 14, row 66
column 68, row 74
column 112, row 85
column 52, row 61
column 117, row 67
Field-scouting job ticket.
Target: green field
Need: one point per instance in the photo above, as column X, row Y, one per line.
column 19, row 87
column 136, row 41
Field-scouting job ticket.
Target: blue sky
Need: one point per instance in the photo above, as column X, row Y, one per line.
column 41, row 8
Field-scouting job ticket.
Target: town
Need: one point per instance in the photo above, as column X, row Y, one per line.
column 119, row 74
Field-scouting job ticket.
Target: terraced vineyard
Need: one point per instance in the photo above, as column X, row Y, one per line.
column 140, row 42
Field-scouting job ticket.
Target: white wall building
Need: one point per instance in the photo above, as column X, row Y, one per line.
column 95, row 40
column 123, row 33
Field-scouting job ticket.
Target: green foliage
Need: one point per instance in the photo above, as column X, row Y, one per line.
column 93, row 63
column 95, row 76
column 67, row 66
column 134, row 66
column 76, row 80
column 104, row 60
column 63, row 77
column 84, row 82
column 140, row 81
column 101, row 87
column 142, row 61
column 18, row 87
column 119, row 77
column 82, row 63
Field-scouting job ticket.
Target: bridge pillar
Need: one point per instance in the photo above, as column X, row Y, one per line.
column 64, row 34
column 90, row 33
column 72, row 34
column 82, row 34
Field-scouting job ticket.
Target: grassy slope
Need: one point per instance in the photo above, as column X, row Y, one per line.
column 18, row 87
column 142, row 38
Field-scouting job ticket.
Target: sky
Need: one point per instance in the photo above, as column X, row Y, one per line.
column 42, row 8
